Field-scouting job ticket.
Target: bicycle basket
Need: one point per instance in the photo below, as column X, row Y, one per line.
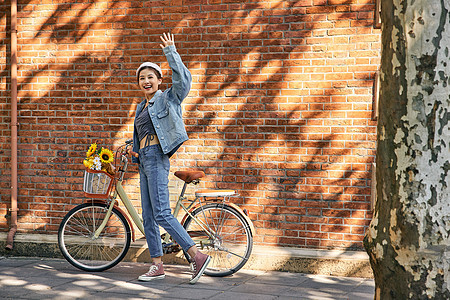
column 97, row 184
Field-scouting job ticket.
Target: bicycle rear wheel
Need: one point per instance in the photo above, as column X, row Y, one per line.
column 78, row 245
column 229, row 242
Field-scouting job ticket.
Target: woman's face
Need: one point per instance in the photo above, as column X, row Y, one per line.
column 149, row 82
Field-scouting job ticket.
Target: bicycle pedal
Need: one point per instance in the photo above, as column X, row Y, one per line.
column 170, row 248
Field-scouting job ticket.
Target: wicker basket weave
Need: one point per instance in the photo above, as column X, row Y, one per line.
column 97, row 184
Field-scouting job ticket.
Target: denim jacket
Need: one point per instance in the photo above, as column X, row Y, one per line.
column 165, row 107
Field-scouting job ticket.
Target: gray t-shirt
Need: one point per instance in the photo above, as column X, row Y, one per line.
column 144, row 124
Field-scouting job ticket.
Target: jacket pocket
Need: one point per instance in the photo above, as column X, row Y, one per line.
column 163, row 113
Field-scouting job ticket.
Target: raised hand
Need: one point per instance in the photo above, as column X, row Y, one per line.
column 167, row 39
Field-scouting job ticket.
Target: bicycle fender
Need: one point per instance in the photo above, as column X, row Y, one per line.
column 133, row 237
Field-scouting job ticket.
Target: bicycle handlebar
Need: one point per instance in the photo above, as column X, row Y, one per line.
column 123, row 152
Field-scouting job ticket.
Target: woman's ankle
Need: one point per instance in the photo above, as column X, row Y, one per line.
column 157, row 260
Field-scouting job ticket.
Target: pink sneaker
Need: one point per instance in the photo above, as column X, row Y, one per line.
column 200, row 262
column 155, row 272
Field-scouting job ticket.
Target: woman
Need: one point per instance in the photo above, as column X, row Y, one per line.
column 158, row 133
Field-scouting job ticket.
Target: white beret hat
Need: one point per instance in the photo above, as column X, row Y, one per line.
column 149, row 64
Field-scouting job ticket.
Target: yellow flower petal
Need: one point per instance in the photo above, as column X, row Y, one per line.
column 91, row 150
column 87, row 163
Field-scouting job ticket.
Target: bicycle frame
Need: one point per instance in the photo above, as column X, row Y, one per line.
column 137, row 220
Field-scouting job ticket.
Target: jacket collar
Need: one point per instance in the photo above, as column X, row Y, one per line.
column 142, row 104
column 155, row 96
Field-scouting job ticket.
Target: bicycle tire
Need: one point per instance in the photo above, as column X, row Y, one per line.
column 94, row 255
column 232, row 244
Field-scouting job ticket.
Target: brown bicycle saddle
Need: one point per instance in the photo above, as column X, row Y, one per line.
column 189, row 176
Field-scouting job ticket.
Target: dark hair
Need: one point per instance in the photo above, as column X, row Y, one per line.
column 147, row 67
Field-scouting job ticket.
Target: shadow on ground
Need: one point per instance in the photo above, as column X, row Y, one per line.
column 36, row 278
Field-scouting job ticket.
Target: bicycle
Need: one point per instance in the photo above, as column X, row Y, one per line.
column 96, row 235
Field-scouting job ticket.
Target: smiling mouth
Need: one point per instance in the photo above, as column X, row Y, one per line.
column 147, row 87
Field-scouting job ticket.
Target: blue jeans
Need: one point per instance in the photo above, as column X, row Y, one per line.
column 154, row 168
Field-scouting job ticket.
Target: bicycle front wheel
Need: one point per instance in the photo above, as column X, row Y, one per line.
column 222, row 232
column 82, row 249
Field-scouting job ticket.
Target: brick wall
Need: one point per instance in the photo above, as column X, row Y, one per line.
column 279, row 109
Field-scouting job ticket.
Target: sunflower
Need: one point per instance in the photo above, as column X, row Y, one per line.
column 91, row 150
column 88, row 163
column 106, row 156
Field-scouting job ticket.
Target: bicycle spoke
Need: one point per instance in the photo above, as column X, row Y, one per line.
column 80, row 251
column 230, row 252
column 221, row 261
column 74, row 231
column 211, row 218
column 222, row 220
column 80, row 223
column 233, row 232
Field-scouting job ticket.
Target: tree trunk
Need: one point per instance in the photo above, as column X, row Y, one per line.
column 408, row 238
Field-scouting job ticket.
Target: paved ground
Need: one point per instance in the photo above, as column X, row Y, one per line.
column 36, row 278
